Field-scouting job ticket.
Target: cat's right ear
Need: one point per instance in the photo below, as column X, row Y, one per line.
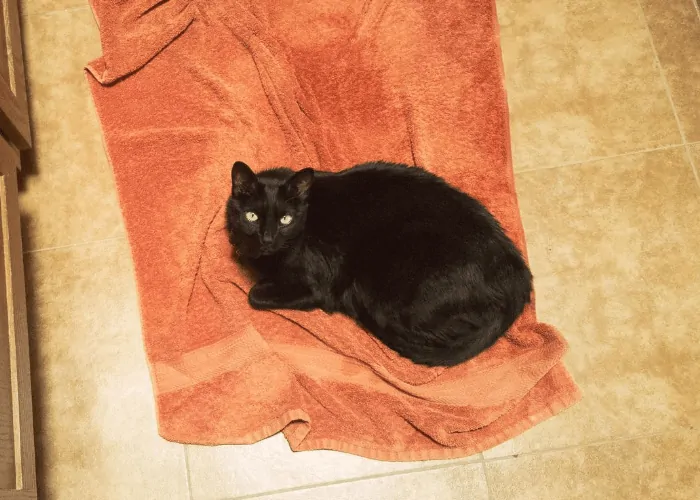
column 299, row 185
column 244, row 182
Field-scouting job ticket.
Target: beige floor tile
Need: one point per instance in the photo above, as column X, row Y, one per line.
column 35, row 7
column 228, row 471
column 70, row 196
column 582, row 81
column 453, row 483
column 613, row 248
column 675, row 28
column 610, row 216
column 94, row 409
column 656, row 468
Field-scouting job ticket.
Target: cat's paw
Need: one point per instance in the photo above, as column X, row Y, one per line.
column 262, row 296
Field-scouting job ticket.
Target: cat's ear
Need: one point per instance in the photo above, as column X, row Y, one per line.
column 243, row 180
column 299, row 185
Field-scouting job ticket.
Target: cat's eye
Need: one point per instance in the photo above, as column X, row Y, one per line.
column 251, row 216
column 286, row 219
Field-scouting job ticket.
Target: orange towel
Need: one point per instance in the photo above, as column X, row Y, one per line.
column 187, row 87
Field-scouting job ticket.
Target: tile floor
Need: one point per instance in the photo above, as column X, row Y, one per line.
column 605, row 101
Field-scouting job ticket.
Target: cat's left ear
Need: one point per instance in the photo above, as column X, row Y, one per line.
column 299, row 185
column 244, row 182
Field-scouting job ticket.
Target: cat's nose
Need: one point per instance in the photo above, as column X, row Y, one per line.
column 267, row 237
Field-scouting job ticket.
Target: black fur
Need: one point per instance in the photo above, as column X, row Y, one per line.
column 422, row 266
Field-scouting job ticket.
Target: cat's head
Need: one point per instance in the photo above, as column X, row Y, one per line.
column 266, row 213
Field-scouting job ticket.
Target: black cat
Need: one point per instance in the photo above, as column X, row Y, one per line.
column 422, row 266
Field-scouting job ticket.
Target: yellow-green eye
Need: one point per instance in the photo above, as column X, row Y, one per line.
column 251, row 216
column 286, row 219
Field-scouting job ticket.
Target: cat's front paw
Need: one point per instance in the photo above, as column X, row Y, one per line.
column 262, row 296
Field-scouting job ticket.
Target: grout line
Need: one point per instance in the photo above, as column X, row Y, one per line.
column 599, row 158
column 603, row 442
column 489, row 496
column 697, row 8
column 456, row 463
column 72, row 245
column 188, row 476
column 692, row 163
column 669, row 95
column 661, row 70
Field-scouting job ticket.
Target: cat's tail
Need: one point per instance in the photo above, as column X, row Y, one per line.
column 451, row 339
column 447, row 338
column 455, row 340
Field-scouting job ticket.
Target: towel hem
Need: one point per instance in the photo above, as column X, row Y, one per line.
column 570, row 395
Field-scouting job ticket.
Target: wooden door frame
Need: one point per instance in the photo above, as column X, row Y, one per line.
column 15, row 135
column 14, row 114
column 25, row 468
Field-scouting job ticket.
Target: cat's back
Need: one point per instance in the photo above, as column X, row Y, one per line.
column 388, row 196
column 380, row 177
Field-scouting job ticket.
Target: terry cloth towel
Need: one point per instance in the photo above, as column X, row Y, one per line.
column 185, row 88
